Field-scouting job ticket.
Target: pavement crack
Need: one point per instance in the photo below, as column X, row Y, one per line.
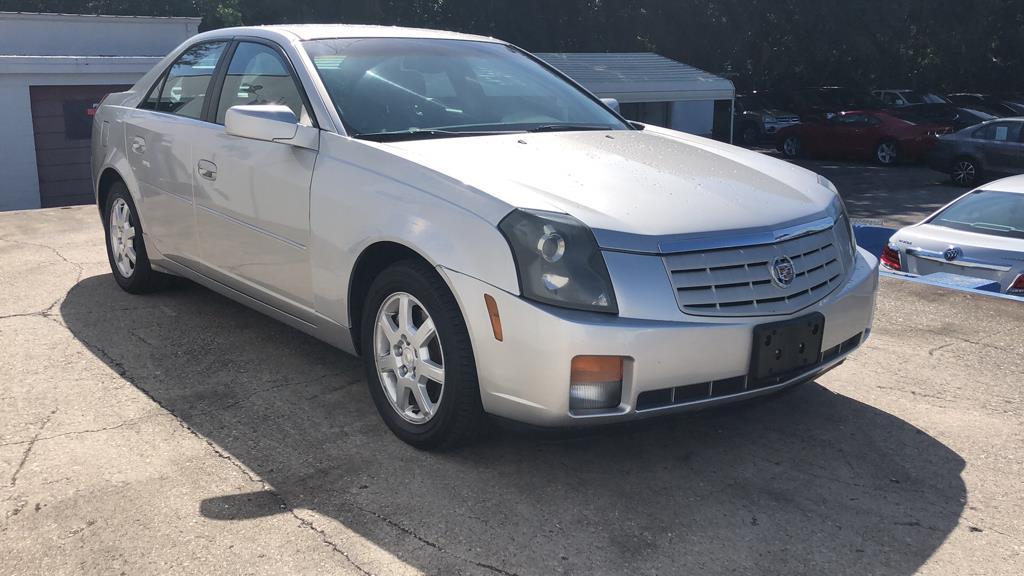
column 28, row 450
column 79, row 269
column 932, row 351
column 413, row 534
column 325, row 539
column 87, row 431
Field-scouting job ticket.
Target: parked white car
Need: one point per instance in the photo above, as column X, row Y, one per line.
column 489, row 236
column 980, row 234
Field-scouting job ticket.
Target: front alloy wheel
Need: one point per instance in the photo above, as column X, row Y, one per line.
column 792, row 147
column 410, row 359
column 420, row 368
column 964, row 172
column 886, row 153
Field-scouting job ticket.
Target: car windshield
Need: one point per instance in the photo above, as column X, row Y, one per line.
column 986, row 212
column 409, row 88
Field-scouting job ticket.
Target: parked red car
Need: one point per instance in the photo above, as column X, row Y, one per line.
column 862, row 135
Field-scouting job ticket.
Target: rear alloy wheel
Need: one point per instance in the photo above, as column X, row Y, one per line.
column 792, row 147
column 887, row 153
column 126, row 248
column 965, row 172
column 419, row 361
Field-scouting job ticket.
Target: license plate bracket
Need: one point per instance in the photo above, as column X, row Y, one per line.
column 784, row 349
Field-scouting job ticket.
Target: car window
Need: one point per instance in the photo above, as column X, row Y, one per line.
column 258, row 75
column 999, row 132
column 183, row 92
column 850, row 119
column 406, row 85
column 891, row 99
column 986, row 212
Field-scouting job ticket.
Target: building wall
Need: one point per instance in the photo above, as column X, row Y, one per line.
column 696, row 117
column 40, row 50
column 19, row 184
column 85, row 35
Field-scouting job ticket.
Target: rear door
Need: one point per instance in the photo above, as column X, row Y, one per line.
column 252, row 197
column 158, row 138
column 1001, row 146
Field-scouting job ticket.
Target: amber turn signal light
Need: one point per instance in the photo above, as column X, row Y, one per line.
column 596, row 369
column 492, row 312
column 595, row 383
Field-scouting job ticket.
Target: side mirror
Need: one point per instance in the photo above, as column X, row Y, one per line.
column 270, row 123
column 612, row 103
column 267, row 122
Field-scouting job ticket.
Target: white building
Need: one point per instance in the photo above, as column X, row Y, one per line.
column 53, row 69
column 655, row 90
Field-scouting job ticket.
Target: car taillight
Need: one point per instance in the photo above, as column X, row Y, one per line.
column 891, row 257
column 1017, row 288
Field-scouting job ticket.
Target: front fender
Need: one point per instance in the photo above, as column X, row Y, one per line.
column 362, row 195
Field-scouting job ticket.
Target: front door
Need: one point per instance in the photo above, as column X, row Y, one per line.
column 252, row 197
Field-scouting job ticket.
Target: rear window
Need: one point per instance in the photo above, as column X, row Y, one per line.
column 986, row 212
column 999, row 131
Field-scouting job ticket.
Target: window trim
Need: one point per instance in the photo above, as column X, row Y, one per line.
column 162, row 79
column 210, row 113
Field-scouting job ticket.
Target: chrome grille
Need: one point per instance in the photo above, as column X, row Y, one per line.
column 738, row 281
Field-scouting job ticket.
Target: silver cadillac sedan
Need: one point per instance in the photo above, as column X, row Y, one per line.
column 490, row 237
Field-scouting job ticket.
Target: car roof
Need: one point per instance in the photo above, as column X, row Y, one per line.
column 1013, row 184
column 304, row 32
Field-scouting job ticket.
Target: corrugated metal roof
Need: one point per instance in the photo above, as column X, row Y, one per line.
column 640, row 77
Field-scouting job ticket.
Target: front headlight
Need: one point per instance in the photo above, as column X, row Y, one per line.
column 844, row 230
column 558, row 261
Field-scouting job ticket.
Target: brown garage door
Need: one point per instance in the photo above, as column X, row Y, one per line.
column 62, row 121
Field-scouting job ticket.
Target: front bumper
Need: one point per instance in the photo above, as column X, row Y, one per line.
column 525, row 377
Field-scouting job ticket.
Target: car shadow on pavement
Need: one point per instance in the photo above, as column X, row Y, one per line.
column 809, row 482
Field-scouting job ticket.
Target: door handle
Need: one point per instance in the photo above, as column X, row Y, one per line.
column 207, row 169
column 138, row 145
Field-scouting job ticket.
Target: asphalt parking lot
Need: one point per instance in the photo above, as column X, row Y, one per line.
column 182, row 433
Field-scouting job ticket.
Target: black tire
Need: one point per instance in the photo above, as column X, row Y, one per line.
column 459, row 415
column 749, row 135
column 887, row 153
column 965, row 171
column 792, row 147
column 142, row 278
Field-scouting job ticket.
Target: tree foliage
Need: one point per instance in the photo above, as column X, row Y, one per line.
column 973, row 45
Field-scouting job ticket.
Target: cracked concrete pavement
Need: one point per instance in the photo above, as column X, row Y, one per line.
column 180, row 433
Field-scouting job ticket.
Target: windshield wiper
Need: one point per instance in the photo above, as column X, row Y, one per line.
column 568, row 127
column 427, row 134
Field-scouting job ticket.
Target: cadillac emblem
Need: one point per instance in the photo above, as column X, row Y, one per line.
column 783, row 272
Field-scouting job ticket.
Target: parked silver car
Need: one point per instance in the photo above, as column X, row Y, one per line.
column 489, row 236
column 980, row 234
column 990, row 149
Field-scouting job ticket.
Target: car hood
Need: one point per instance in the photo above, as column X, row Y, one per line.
column 633, row 188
